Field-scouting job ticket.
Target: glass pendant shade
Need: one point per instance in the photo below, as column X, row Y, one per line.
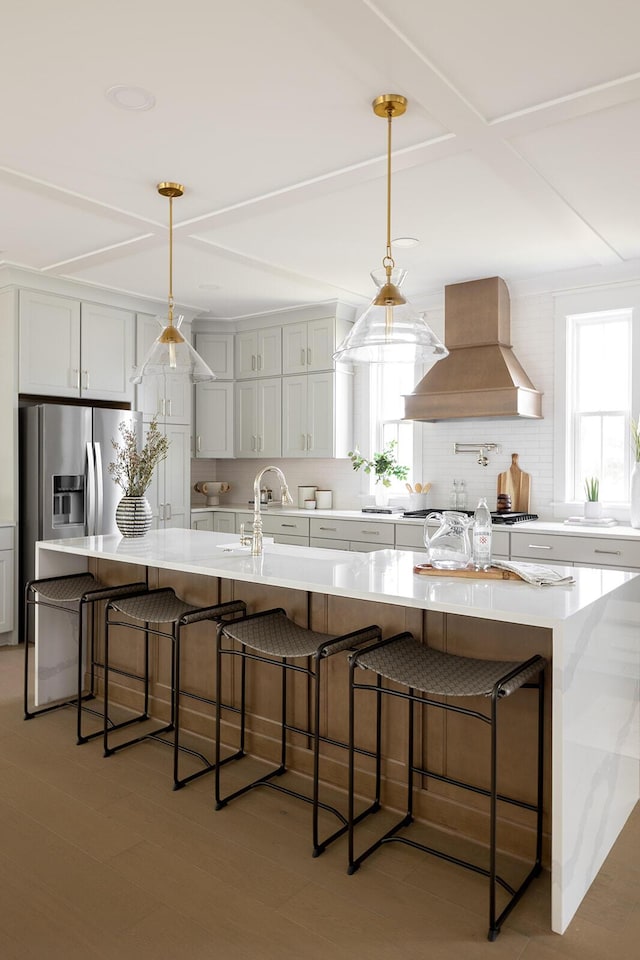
column 391, row 330
column 171, row 355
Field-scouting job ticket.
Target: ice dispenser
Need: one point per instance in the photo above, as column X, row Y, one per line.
column 68, row 499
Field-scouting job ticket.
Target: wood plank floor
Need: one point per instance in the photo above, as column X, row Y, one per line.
column 101, row 860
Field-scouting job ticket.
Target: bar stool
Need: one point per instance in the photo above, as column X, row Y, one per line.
column 271, row 634
column 160, row 606
column 72, row 593
column 427, row 672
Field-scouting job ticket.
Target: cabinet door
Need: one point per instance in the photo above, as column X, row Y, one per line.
column 294, row 416
column 224, row 522
column 269, row 417
column 246, row 419
column 216, row 349
column 270, row 352
column 202, row 521
column 6, row 590
column 321, row 415
column 177, row 476
column 49, row 345
column 294, row 348
column 214, row 419
column 320, row 344
column 246, row 354
column 106, row 353
column 160, row 396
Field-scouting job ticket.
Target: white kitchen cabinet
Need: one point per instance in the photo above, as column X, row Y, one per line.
column 224, row 522
column 592, row 551
column 213, row 420
column 74, row 349
column 317, row 415
column 308, row 347
column 6, row 579
column 167, row 397
column 213, row 413
column 170, row 490
column 359, row 534
column 258, row 418
column 202, row 520
column 258, row 353
column 284, row 529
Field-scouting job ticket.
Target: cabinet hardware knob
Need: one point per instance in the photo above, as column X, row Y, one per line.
column 308, row 356
column 538, row 546
column 371, row 533
column 333, row 529
column 288, row 525
column 302, row 360
column 613, row 553
column 259, row 361
column 198, row 443
column 76, row 378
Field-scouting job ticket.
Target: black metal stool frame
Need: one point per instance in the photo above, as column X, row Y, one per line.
column 88, row 598
column 495, row 922
column 325, row 649
column 215, row 612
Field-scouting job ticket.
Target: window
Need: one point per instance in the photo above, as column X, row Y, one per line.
column 389, row 383
column 597, row 353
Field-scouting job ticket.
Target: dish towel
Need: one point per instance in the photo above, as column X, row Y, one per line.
column 535, row 573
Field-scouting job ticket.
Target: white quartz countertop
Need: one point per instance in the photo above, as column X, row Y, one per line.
column 382, row 576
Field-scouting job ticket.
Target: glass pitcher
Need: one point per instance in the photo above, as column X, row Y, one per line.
column 449, row 547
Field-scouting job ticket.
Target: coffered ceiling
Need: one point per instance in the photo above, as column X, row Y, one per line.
column 518, row 155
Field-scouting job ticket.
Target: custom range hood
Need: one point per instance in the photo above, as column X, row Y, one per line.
column 481, row 377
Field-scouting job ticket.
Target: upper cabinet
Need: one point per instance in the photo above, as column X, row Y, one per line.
column 308, row 347
column 259, row 353
column 167, row 397
column 214, row 413
column 75, row 349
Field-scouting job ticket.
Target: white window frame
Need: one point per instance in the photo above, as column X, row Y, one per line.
column 603, row 300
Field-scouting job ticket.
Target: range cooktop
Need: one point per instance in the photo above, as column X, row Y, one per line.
column 497, row 516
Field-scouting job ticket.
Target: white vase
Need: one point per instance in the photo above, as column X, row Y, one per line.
column 592, row 509
column 381, row 495
column 635, row 496
column 133, row 516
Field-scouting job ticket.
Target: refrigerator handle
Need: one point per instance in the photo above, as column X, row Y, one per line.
column 99, row 489
column 90, row 492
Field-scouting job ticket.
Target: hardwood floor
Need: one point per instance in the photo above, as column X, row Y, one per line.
column 101, row 860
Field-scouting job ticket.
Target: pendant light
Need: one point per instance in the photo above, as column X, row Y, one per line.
column 390, row 330
column 170, row 353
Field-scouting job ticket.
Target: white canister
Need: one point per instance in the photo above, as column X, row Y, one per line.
column 309, row 505
column 306, row 493
column 324, row 499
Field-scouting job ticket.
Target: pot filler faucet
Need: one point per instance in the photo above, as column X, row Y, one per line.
column 256, row 538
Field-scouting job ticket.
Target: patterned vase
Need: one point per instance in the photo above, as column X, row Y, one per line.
column 635, row 496
column 133, row 516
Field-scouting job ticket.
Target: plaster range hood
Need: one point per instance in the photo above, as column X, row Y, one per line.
column 481, row 377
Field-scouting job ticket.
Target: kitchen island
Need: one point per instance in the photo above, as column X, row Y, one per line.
column 589, row 630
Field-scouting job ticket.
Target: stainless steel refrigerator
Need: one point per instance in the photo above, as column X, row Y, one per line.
column 65, row 486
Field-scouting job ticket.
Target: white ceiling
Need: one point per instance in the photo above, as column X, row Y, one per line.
column 519, row 153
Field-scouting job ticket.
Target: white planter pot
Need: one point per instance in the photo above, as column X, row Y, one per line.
column 592, row 509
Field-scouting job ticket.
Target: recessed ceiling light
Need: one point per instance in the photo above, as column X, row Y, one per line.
column 405, row 242
column 130, row 98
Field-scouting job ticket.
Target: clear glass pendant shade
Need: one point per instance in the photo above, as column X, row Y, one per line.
column 171, row 355
column 391, row 330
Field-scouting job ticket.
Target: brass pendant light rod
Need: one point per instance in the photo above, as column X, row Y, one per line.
column 169, row 189
column 388, row 106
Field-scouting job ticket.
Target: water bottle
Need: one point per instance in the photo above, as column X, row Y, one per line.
column 453, row 496
column 462, row 496
column 482, row 536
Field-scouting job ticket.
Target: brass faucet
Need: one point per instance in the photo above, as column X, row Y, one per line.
column 256, row 538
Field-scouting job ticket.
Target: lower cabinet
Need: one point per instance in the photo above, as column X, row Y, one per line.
column 282, row 529
column 6, row 579
column 353, row 534
column 202, row 520
column 592, row 551
column 170, row 490
column 224, row 522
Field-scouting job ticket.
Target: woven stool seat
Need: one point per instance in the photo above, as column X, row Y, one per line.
column 65, row 589
column 161, row 606
column 276, row 634
column 431, row 671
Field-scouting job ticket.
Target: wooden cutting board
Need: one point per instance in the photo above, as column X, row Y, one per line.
column 517, row 484
column 493, row 573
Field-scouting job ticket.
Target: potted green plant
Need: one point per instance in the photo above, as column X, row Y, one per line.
column 592, row 506
column 132, row 470
column 634, row 495
column 384, row 466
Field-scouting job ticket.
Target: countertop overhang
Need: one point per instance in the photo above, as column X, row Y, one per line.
column 383, row 576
